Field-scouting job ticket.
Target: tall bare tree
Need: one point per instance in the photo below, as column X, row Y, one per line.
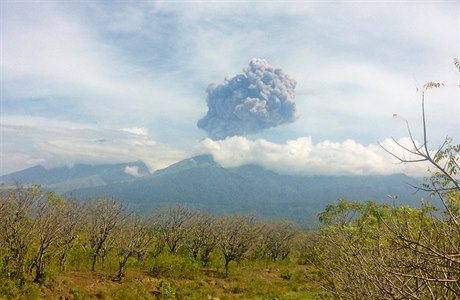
column 104, row 216
column 132, row 237
column 201, row 237
column 236, row 234
column 73, row 219
column 17, row 204
column 171, row 223
column 278, row 238
column 49, row 229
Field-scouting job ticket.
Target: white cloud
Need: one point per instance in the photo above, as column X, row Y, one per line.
column 303, row 157
column 132, row 170
column 137, row 130
column 53, row 144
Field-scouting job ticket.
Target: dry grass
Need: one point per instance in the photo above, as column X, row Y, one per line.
column 247, row 280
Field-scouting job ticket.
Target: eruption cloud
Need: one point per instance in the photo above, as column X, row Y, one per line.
column 260, row 98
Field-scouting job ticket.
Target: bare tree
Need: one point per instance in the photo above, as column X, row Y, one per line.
column 171, row 223
column 16, row 226
column 202, row 236
column 73, row 220
column 104, row 215
column 134, row 236
column 49, row 228
column 236, row 234
column 278, row 238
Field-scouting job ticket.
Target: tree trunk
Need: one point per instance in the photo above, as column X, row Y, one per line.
column 39, row 268
column 63, row 260
column 121, row 267
column 227, row 261
column 93, row 267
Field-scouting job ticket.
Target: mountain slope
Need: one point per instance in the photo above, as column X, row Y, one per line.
column 201, row 183
column 66, row 179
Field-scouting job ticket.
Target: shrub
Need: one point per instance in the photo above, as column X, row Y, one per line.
column 166, row 290
column 174, row 266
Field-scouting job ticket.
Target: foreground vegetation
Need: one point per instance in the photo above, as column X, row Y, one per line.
column 54, row 247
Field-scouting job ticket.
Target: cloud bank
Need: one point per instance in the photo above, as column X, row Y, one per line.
column 56, row 144
column 303, row 157
column 260, row 98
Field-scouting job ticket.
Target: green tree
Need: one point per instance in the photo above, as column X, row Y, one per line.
column 371, row 251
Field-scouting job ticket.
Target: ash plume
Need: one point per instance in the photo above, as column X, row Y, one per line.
column 260, row 98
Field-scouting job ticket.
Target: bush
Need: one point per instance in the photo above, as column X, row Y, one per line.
column 8, row 288
column 174, row 266
column 286, row 275
column 32, row 291
column 166, row 290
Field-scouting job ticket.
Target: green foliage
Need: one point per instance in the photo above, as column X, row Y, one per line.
column 174, row 266
column 367, row 250
column 166, row 290
column 9, row 288
column 286, row 275
column 31, row 291
column 79, row 256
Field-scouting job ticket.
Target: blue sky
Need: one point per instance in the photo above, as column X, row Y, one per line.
column 118, row 81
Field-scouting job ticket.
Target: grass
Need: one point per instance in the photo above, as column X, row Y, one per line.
column 178, row 277
column 255, row 279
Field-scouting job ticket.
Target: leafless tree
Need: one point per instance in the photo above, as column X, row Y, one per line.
column 73, row 219
column 104, row 215
column 379, row 252
column 49, row 229
column 236, row 234
column 278, row 238
column 17, row 204
column 171, row 223
column 202, row 236
column 133, row 237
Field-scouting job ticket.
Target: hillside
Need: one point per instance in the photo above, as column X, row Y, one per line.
column 201, row 183
column 67, row 179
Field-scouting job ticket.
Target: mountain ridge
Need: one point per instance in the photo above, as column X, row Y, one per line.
column 200, row 182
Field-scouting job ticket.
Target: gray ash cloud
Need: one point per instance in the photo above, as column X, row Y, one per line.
column 260, row 98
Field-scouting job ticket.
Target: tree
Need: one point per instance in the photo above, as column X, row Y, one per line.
column 236, row 235
column 371, row 251
column 104, row 216
column 172, row 225
column 73, row 219
column 49, row 228
column 17, row 204
column 202, row 236
column 441, row 249
column 278, row 238
column 369, row 258
column 134, row 236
